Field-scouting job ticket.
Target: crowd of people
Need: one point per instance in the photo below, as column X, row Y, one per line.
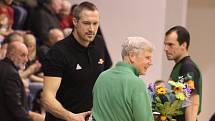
column 55, row 66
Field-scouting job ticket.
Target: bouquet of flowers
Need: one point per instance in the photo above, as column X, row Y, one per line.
column 169, row 98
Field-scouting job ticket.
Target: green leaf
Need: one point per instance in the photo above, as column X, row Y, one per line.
column 158, row 99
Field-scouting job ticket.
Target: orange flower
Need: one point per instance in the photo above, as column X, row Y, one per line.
column 163, row 118
column 191, row 84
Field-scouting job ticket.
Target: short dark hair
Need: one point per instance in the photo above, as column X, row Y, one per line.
column 82, row 6
column 183, row 34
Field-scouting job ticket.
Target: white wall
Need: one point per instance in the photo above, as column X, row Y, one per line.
column 201, row 23
column 175, row 15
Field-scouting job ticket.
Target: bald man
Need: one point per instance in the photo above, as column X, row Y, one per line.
column 12, row 94
column 55, row 35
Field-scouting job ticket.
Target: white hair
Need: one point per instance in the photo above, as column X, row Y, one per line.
column 135, row 44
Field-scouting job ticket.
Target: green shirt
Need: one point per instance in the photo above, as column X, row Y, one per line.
column 120, row 95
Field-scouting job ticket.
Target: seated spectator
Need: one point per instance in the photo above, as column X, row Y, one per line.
column 4, row 24
column 13, row 103
column 65, row 15
column 20, row 15
column 13, row 97
column 55, row 35
column 14, row 36
column 30, row 42
column 10, row 38
column 7, row 12
column 45, row 18
column 33, row 81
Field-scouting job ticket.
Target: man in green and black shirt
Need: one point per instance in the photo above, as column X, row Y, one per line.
column 176, row 43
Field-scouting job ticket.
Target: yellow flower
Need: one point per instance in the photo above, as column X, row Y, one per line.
column 163, row 118
column 180, row 96
column 161, row 90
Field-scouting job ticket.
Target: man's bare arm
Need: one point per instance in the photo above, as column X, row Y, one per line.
column 52, row 105
column 192, row 110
